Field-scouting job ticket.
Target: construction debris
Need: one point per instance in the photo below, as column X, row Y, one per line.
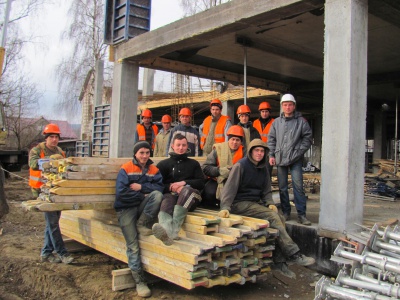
column 371, row 267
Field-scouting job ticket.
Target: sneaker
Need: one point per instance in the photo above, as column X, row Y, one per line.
column 50, row 258
column 67, row 258
column 301, row 260
column 286, row 216
column 303, row 220
column 283, row 269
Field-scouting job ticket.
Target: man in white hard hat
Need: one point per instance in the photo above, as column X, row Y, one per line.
column 289, row 138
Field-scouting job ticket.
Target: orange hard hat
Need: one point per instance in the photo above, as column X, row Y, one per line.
column 236, row 130
column 147, row 113
column 264, row 105
column 51, row 128
column 243, row 109
column 166, row 119
column 216, row 102
column 185, row 112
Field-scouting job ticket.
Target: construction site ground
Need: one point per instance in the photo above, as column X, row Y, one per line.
column 23, row 276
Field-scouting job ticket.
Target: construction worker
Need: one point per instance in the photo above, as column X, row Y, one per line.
column 146, row 131
column 250, row 133
column 219, row 163
column 53, row 240
column 137, row 202
column 163, row 136
column 183, row 180
column 187, row 130
column 247, row 192
column 289, row 138
column 264, row 122
column 214, row 128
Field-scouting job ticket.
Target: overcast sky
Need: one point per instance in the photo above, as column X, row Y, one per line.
column 46, row 53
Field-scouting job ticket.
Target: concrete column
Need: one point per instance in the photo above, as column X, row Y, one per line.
column 228, row 109
column 344, row 114
column 98, row 84
column 316, row 147
column 379, row 135
column 124, row 108
column 148, row 82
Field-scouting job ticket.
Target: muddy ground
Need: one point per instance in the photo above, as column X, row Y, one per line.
column 23, row 276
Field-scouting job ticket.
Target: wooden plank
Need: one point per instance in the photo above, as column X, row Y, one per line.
column 218, row 241
column 235, row 232
column 96, row 160
column 45, row 206
column 178, row 245
column 168, row 260
column 83, row 191
column 192, row 219
column 122, row 279
column 94, row 168
column 83, row 183
column 227, row 222
column 81, row 199
column 227, row 238
column 199, row 229
column 89, row 176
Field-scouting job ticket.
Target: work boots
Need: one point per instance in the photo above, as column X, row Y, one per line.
column 179, row 217
column 143, row 225
column 141, row 286
column 301, row 260
column 164, row 228
column 283, row 269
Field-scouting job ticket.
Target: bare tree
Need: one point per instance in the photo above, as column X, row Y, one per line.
column 86, row 33
column 191, row 7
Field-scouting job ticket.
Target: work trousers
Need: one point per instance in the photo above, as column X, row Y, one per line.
column 285, row 246
column 127, row 219
column 189, row 198
column 209, row 194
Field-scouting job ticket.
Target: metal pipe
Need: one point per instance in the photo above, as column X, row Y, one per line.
column 395, row 137
column 381, row 256
column 388, row 234
column 342, row 293
column 5, row 23
column 386, row 290
column 388, row 246
column 245, row 76
column 388, row 276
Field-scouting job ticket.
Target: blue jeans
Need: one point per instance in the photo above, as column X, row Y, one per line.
column 52, row 235
column 300, row 198
column 127, row 219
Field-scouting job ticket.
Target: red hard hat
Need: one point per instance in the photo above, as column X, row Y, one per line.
column 147, row 113
column 51, row 128
column 185, row 112
column 216, row 102
column 243, row 109
column 236, row 130
column 264, row 105
column 166, row 119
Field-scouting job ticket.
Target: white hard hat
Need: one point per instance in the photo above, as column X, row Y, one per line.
column 288, row 97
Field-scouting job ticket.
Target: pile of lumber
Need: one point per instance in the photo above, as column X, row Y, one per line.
column 211, row 251
column 387, row 166
column 80, row 183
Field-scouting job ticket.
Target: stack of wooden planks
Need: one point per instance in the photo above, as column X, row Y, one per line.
column 77, row 183
column 211, row 251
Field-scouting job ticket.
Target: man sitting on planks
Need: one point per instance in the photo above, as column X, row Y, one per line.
column 247, row 192
column 183, row 180
column 138, row 194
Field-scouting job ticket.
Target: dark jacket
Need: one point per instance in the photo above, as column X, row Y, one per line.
column 150, row 178
column 289, row 139
column 248, row 181
column 251, row 135
column 181, row 168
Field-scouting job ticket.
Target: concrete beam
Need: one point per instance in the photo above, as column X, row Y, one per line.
column 210, row 73
column 123, row 109
column 344, row 114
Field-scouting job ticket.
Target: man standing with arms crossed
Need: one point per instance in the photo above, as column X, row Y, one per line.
column 146, row 131
column 289, row 138
column 162, row 138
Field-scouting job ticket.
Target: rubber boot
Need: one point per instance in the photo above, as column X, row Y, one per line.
column 141, row 286
column 143, row 225
column 163, row 229
column 179, row 217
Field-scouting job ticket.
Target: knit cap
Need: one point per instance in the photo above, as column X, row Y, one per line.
column 139, row 145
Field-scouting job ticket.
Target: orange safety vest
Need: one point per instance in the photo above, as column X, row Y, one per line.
column 141, row 130
column 219, row 136
column 263, row 133
column 237, row 156
column 35, row 176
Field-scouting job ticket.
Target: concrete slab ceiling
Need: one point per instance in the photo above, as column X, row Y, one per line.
column 284, row 43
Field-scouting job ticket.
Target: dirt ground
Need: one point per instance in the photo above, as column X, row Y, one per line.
column 23, row 276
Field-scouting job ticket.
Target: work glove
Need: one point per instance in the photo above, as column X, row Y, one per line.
column 223, row 213
column 224, row 172
column 273, row 208
column 56, row 156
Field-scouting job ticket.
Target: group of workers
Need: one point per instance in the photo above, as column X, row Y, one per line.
column 235, row 178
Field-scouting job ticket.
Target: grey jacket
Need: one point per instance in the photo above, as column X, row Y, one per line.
column 289, row 139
